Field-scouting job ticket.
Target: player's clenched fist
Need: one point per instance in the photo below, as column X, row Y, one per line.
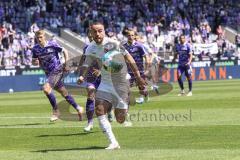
column 80, row 80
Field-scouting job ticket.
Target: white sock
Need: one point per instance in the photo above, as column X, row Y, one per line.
column 107, row 128
column 79, row 109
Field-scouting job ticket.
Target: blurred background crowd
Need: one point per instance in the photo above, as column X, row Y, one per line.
column 157, row 22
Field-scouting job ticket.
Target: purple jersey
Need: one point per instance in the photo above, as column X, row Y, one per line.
column 90, row 77
column 48, row 56
column 183, row 51
column 137, row 51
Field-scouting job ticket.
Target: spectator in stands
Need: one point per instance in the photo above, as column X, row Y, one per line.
column 220, row 32
column 237, row 42
column 145, row 16
column 1, row 55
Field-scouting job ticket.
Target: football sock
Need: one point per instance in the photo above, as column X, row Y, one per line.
column 190, row 85
column 106, row 128
column 52, row 99
column 71, row 101
column 180, row 82
column 90, row 110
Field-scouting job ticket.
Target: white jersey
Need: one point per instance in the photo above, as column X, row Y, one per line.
column 114, row 83
column 96, row 52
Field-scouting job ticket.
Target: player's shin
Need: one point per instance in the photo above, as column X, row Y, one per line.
column 90, row 110
column 78, row 108
column 52, row 99
column 71, row 101
column 107, row 129
column 190, row 84
column 180, row 82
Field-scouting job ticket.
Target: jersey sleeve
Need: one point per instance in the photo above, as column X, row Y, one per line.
column 123, row 50
column 148, row 49
column 56, row 46
column 84, row 49
column 143, row 50
column 88, row 58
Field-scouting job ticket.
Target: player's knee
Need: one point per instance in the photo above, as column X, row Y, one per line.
column 99, row 110
column 120, row 115
column 46, row 89
column 64, row 93
column 189, row 78
column 120, row 119
column 91, row 94
column 179, row 77
column 142, row 92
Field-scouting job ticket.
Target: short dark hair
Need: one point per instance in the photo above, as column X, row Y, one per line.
column 96, row 23
column 182, row 35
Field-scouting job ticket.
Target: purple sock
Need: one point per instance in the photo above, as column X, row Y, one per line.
column 52, row 99
column 90, row 109
column 190, row 85
column 71, row 101
column 180, row 82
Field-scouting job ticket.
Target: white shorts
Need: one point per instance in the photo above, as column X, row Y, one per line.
column 117, row 95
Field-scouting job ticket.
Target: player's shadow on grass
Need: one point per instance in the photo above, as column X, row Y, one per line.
column 69, row 149
column 66, row 135
column 26, row 124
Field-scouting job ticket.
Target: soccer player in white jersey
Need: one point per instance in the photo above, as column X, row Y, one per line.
column 114, row 88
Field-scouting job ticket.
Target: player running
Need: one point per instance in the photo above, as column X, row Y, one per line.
column 154, row 64
column 184, row 53
column 114, row 88
column 46, row 54
column 93, row 79
column 139, row 54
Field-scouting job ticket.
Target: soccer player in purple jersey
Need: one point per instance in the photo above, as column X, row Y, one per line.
column 93, row 79
column 46, row 54
column 184, row 53
column 139, row 54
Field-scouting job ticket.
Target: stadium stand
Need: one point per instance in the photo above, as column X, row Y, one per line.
column 160, row 22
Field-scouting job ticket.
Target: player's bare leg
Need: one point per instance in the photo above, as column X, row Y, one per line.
column 101, row 109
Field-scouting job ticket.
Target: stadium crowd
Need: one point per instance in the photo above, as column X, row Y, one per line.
column 159, row 22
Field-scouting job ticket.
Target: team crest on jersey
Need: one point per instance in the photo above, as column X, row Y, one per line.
column 109, row 47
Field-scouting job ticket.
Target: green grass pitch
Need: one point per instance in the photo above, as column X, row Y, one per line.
column 205, row 126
